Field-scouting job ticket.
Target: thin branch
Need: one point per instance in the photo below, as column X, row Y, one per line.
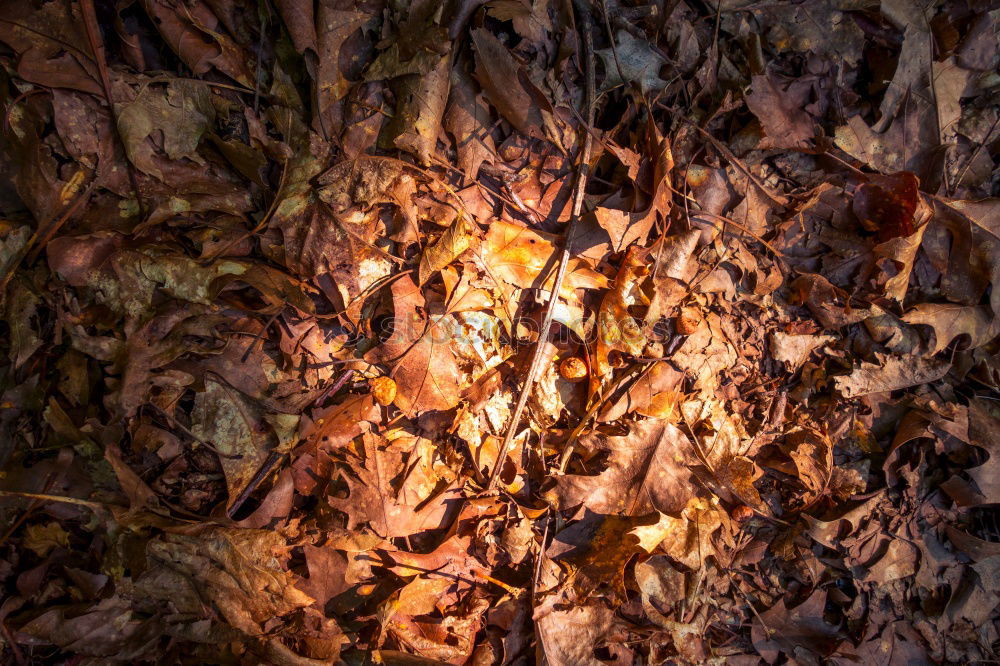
column 578, row 192
column 93, row 29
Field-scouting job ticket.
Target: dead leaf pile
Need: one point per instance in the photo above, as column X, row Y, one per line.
column 272, row 277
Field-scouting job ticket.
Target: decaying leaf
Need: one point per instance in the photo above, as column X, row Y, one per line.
column 452, row 243
column 890, row 374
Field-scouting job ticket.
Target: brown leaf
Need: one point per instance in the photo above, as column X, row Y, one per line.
column 109, row 628
column 196, row 36
column 794, row 350
column 632, row 60
column 420, row 106
column 788, row 630
column 334, row 27
column 324, row 431
column 43, row 538
column 646, row 472
column 914, row 66
column 597, row 548
column 395, row 488
column 976, row 548
column 654, row 395
column 898, row 560
column 523, row 257
column 497, row 72
column 887, row 204
column 617, row 330
column 40, row 36
column 569, row 636
column 424, row 366
column 620, row 227
column 236, row 572
column 779, row 108
column 891, row 373
column 232, row 425
column 139, row 494
column 907, row 145
column 686, row 538
column 182, row 114
column 950, row 321
column 973, row 262
column 465, row 119
column 448, row 247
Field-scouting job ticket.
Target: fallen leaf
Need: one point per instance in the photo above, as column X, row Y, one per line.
column 197, row 38
column 232, row 425
column 891, row 373
column 794, row 350
column 646, row 472
column 420, row 106
column 497, row 72
column 182, row 113
column 43, row 538
column 419, row 350
column 780, row 111
column 687, row 538
column 632, row 60
column 789, row 630
column 950, row 321
column 464, row 119
column 452, row 243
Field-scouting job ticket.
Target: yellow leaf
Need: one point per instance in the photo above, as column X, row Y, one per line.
column 453, row 242
column 43, row 538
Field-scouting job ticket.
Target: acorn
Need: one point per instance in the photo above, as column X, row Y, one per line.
column 741, row 513
column 687, row 321
column 384, row 390
column 573, row 369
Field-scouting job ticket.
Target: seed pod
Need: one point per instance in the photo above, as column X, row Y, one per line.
column 687, row 321
column 741, row 513
column 384, row 390
column 573, row 369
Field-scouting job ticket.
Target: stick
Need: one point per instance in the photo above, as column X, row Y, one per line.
column 579, row 187
column 92, row 27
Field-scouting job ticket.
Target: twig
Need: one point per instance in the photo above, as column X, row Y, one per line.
column 262, row 473
column 42, row 238
column 776, row 197
column 56, row 498
column 580, row 186
column 570, row 445
column 975, row 154
column 93, row 29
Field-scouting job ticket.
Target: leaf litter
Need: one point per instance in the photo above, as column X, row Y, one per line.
column 337, row 333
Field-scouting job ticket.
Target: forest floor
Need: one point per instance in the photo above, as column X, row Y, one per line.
column 507, row 332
